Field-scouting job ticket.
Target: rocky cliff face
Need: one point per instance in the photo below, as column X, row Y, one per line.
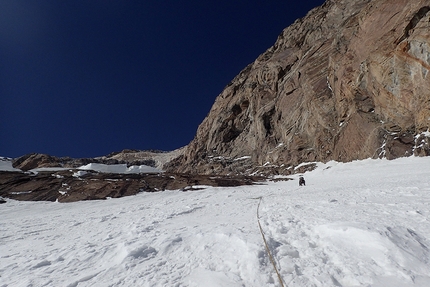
column 348, row 81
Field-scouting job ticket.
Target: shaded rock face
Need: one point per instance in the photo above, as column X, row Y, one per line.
column 348, row 81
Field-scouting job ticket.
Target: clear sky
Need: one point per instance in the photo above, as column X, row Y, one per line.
column 85, row 78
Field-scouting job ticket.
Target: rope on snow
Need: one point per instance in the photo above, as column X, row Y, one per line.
column 267, row 246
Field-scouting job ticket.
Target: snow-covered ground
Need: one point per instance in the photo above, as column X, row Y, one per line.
column 6, row 165
column 364, row 223
column 119, row 168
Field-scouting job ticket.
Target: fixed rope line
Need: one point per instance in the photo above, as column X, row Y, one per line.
column 267, row 246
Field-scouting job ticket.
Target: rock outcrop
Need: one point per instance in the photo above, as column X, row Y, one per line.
column 348, row 81
column 76, row 185
column 48, row 178
column 154, row 159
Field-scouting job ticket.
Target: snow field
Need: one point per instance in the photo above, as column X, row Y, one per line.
column 119, row 168
column 364, row 223
column 168, row 239
column 6, row 164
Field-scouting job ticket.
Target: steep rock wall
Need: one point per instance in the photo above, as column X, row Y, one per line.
column 348, row 81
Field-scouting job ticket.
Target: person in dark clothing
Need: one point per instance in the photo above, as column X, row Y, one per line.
column 302, row 181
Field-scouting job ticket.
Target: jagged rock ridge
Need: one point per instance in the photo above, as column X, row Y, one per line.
column 348, row 81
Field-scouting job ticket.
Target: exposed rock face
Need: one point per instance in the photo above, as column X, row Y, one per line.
column 349, row 81
column 64, row 183
column 35, row 160
column 70, row 185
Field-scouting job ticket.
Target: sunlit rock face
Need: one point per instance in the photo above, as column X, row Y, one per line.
column 348, row 81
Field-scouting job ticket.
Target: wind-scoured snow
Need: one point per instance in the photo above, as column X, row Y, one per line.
column 364, row 223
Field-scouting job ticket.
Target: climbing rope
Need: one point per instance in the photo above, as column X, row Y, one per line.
column 267, row 247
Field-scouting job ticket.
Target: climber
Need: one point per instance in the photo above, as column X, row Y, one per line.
column 302, row 181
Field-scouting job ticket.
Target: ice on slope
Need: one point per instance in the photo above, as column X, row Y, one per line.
column 364, row 223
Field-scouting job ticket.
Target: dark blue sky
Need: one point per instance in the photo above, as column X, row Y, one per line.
column 85, row 78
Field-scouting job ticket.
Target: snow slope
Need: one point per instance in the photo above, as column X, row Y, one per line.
column 119, row 168
column 6, row 164
column 364, row 223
